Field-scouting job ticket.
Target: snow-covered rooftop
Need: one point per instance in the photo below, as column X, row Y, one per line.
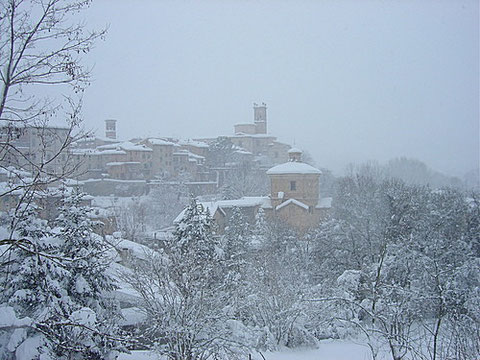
column 293, row 167
column 195, row 143
column 243, row 152
column 154, row 141
column 55, row 124
column 96, row 152
column 181, row 153
column 295, row 150
column 260, row 136
column 292, row 201
column 12, row 172
column 126, row 146
column 87, row 139
column 121, row 163
column 112, row 152
column 191, row 156
column 72, row 182
column 247, row 201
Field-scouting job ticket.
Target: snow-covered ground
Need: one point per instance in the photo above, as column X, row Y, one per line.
column 139, row 355
column 327, row 350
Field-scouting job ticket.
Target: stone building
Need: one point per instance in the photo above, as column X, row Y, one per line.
column 294, row 197
column 259, row 125
column 295, row 193
column 137, row 163
column 31, row 146
column 162, row 157
column 195, row 147
column 122, row 161
column 253, row 138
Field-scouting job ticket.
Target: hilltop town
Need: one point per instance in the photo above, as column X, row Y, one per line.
column 115, row 246
column 249, row 169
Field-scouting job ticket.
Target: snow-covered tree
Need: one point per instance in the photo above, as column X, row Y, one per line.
column 166, row 201
column 131, row 218
column 237, row 233
column 448, row 273
column 410, row 247
column 41, row 46
column 183, row 292
column 244, row 181
column 54, row 276
column 220, row 152
column 276, row 281
column 88, row 285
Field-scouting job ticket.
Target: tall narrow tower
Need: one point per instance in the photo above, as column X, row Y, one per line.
column 260, row 118
column 111, row 129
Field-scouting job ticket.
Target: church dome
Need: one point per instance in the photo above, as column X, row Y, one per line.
column 293, row 167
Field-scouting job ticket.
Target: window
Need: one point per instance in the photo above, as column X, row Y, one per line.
column 293, row 185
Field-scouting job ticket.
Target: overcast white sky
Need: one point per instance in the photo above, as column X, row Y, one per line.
column 346, row 80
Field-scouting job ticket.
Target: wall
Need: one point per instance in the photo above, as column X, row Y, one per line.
column 307, row 190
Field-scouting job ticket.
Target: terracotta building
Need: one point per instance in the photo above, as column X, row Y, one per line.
column 295, row 192
column 162, row 157
column 252, row 139
column 294, row 198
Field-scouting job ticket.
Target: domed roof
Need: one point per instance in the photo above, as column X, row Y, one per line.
column 293, row 167
column 295, row 150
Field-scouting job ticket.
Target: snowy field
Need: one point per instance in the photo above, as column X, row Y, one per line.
column 331, row 350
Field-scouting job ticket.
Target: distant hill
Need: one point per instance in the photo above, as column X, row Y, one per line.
column 414, row 171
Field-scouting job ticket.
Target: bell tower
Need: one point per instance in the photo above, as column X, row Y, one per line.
column 260, row 118
column 111, row 129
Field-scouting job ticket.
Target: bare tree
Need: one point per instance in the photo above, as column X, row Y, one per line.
column 41, row 79
column 244, row 181
column 131, row 218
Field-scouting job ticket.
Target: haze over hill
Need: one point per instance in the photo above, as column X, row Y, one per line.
column 347, row 81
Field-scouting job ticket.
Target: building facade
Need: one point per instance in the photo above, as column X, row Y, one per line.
column 32, row 147
column 294, row 198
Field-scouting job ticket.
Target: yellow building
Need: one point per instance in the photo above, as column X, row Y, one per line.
column 294, row 198
column 295, row 192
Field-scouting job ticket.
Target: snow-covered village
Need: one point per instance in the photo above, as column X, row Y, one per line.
column 256, row 180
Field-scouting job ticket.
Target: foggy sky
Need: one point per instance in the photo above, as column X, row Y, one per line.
column 345, row 80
